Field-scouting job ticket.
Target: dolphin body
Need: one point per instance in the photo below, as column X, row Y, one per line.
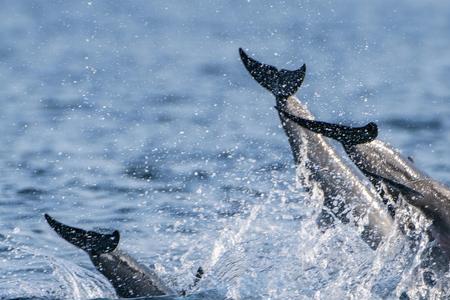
column 395, row 178
column 129, row 278
column 346, row 196
column 384, row 166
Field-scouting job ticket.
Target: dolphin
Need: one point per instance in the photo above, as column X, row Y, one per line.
column 384, row 165
column 129, row 278
column 347, row 197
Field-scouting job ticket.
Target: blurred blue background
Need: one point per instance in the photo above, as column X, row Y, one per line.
column 138, row 115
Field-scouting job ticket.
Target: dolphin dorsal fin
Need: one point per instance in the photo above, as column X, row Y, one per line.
column 345, row 134
column 281, row 83
column 92, row 242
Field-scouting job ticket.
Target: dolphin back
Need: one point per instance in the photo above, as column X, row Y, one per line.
column 281, row 83
column 92, row 242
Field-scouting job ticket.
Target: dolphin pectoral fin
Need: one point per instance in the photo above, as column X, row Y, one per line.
column 198, row 276
column 403, row 189
column 345, row 134
column 282, row 83
column 90, row 241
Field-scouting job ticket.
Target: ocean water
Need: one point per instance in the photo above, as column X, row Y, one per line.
column 139, row 116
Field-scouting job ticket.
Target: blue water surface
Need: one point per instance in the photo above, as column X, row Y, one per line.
column 139, row 116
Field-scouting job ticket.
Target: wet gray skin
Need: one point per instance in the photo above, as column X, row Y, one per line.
column 392, row 174
column 346, row 194
column 380, row 161
column 396, row 179
column 129, row 278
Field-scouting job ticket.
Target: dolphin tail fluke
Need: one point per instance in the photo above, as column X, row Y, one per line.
column 282, row 83
column 345, row 134
column 92, row 242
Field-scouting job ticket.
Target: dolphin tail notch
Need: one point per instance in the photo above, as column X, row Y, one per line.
column 345, row 134
column 281, row 83
column 92, row 242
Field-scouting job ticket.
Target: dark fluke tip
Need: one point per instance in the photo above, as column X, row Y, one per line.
column 242, row 53
column 282, row 83
column 49, row 219
column 90, row 241
column 372, row 129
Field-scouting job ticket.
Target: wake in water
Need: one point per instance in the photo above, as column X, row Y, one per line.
column 282, row 254
column 273, row 249
column 275, row 246
column 41, row 276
